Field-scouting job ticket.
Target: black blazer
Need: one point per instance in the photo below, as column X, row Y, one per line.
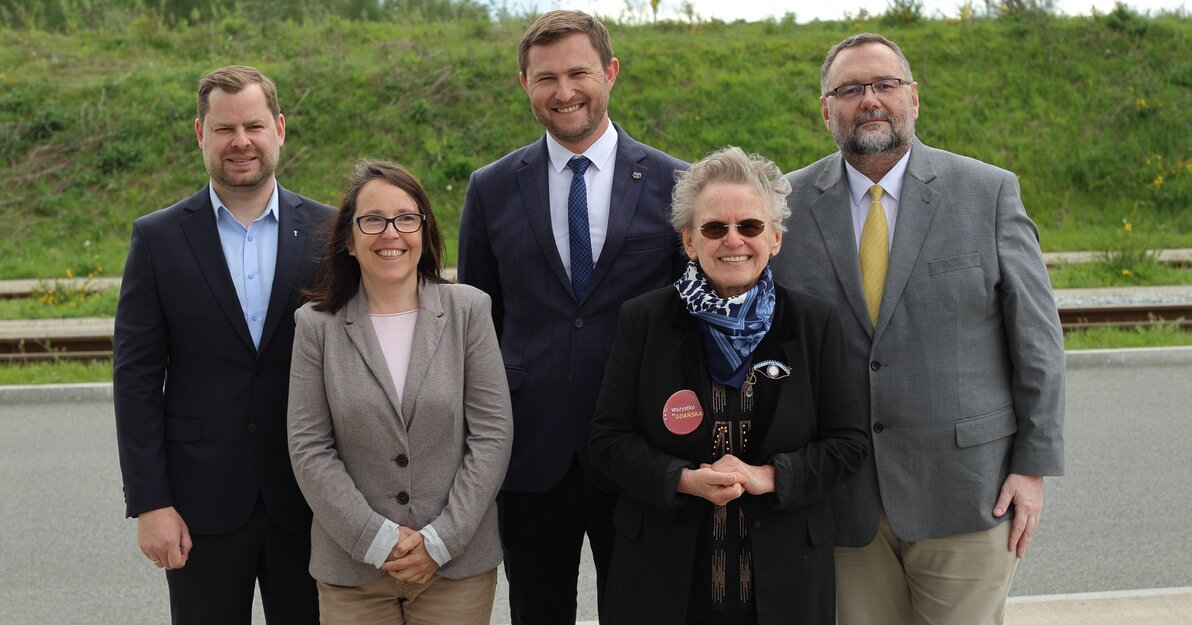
column 815, row 440
column 200, row 412
column 554, row 345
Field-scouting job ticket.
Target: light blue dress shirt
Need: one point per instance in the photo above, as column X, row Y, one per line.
column 251, row 254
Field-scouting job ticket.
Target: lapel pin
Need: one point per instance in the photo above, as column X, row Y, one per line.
column 295, row 233
column 637, row 175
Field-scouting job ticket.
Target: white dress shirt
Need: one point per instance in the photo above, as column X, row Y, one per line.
column 599, row 182
column 858, row 188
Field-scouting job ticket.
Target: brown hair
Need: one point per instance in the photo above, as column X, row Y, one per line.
column 233, row 79
column 860, row 40
column 338, row 280
column 556, row 25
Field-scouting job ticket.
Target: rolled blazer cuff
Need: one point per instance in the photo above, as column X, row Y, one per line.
column 382, row 544
column 434, row 545
column 367, row 537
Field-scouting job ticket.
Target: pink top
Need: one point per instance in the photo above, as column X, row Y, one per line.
column 396, row 334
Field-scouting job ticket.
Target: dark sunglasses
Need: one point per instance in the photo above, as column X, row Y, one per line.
column 747, row 228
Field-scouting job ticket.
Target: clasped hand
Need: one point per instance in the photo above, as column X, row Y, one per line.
column 409, row 560
column 726, row 479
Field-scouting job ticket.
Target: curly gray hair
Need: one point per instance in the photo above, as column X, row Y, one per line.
column 730, row 165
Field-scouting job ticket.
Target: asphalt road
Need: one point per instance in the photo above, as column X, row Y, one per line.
column 1118, row 521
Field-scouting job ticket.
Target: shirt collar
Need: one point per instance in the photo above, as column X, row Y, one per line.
column 859, row 183
column 599, row 153
column 270, row 209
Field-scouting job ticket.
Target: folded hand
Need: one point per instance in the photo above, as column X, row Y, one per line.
column 409, row 560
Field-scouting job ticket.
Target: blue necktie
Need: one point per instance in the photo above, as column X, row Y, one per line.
column 577, row 226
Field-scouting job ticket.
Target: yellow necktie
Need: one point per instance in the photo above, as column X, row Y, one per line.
column 875, row 252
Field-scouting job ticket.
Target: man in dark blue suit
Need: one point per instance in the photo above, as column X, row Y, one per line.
column 204, row 329
column 559, row 233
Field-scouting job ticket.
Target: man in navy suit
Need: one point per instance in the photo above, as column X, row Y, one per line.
column 202, row 367
column 559, row 233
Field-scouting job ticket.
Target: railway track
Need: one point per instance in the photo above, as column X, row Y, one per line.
column 1081, row 318
column 24, row 342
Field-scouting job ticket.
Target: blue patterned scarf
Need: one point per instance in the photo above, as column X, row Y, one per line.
column 733, row 326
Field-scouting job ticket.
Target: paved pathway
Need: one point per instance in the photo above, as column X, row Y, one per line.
column 1118, row 522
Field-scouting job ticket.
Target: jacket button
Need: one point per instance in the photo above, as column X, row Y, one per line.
column 757, row 525
column 260, row 371
column 579, row 323
column 403, row 498
column 875, row 365
column 877, row 427
column 402, row 460
column 252, row 427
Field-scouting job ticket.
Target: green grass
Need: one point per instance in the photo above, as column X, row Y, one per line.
column 1086, row 276
column 96, row 122
column 60, row 372
column 1163, row 335
column 103, row 303
column 97, row 304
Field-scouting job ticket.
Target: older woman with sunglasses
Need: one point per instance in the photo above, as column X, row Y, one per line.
column 724, row 421
column 399, row 417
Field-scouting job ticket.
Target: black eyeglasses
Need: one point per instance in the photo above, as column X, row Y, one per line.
column 747, row 228
column 883, row 87
column 376, row 224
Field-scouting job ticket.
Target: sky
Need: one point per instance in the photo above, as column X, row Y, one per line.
column 808, row 10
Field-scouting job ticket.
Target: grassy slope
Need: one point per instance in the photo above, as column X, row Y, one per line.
column 96, row 127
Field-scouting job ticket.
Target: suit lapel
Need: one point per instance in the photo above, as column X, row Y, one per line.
column 790, row 348
column 629, row 178
column 291, row 247
column 834, row 219
column 359, row 328
column 916, row 209
column 198, row 226
column 689, row 351
column 532, row 180
column 428, row 331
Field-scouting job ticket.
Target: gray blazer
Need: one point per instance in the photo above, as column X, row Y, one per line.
column 963, row 377
column 436, row 458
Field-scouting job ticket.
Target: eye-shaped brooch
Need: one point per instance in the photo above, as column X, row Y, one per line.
column 773, row 369
column 770, row 368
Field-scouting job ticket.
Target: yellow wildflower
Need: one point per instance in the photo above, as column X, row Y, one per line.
column 1140, row 103
column 1157, row 182
column 1127, row 272
column 1128, row 227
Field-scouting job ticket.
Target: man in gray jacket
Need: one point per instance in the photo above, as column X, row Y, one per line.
column 952, row 340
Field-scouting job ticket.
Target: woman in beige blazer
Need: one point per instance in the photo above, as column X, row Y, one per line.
column 399, row 417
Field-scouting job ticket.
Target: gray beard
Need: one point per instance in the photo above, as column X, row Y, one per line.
column 872, row 143
column 868, row 143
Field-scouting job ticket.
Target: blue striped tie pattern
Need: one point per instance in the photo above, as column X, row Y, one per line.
column 577, row 226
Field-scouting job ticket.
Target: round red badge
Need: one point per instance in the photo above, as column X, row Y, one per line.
column 682, row 413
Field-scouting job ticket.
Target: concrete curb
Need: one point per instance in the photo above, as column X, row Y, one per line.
column 55, row 393
column 1138, row 357
column 1141, row 593
column 1078, row 359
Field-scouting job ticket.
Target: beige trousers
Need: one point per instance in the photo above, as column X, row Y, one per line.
column 956, row 580
column 386, row 601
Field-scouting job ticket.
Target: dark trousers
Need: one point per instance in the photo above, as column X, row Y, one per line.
column 543, row 536
column 216, row 586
